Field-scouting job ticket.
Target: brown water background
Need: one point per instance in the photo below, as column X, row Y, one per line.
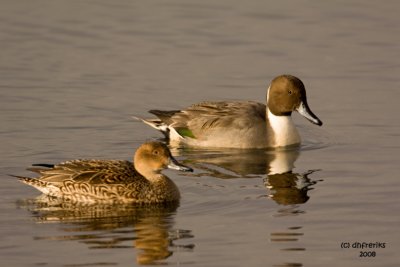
column 72, row 73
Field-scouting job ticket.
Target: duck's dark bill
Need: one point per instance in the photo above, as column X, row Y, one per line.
column 175, row 165
column 305, row 111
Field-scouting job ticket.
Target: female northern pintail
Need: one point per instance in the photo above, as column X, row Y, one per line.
column 242, row 124
column 115, row 181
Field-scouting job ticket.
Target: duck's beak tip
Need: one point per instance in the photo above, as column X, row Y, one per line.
column 175, row 165
column 305, row 111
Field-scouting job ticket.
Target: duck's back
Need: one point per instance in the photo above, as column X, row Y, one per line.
column 222, row 114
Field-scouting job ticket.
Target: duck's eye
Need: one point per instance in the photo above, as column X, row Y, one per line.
column 290, row 92
column 156, row 152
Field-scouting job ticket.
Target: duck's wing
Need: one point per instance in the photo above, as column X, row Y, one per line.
column 197, row 119
column 88, row 171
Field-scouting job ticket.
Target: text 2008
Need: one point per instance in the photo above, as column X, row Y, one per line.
column 367, row 254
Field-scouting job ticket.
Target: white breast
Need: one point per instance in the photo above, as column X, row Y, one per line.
column 284, row 132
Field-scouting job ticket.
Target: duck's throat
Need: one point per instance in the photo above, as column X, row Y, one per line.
column 281, row 130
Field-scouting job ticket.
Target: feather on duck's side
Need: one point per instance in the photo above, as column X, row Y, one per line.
column 89, row 180
column 197, row 120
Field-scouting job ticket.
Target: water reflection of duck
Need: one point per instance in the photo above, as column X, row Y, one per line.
column 276, row 166
column 289, row 188
column 107, row 226
column 226, row 163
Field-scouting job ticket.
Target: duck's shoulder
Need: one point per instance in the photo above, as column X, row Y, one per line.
column 94, row 164
column 227, row 107
column 92, row 171
column 227, row 113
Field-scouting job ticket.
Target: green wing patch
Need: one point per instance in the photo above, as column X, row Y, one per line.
column 185, row 132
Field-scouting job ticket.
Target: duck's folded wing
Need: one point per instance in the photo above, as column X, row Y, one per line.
column 205, row 116
column 90, row 171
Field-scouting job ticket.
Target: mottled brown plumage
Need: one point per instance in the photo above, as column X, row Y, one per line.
column 115, row 181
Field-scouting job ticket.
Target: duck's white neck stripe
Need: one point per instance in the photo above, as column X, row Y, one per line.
column 283, row 128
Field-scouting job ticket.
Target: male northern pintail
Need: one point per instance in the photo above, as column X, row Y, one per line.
column 115, row 181
column 241, row 124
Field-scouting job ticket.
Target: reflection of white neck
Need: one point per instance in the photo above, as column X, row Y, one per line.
column 284, row 132
column 283, row 162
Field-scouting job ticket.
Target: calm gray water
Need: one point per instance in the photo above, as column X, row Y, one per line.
column 72, row 73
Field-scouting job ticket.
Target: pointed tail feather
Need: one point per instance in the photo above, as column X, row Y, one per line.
column 163, row 115
column 31, row 181
column 156, row 124
column 43, row 165
column 19, row 177
column 44, row 187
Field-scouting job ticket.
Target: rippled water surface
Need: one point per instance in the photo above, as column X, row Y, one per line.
column 73, row 73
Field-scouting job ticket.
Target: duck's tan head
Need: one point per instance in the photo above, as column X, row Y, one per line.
column 286, row 94
column 153, row 157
